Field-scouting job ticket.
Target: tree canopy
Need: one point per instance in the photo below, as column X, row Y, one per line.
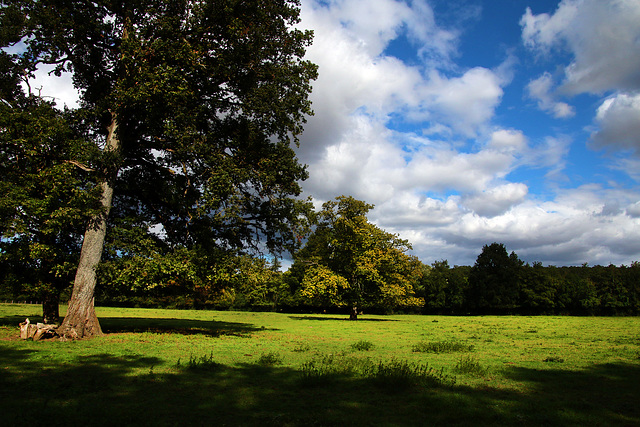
column 195, row 107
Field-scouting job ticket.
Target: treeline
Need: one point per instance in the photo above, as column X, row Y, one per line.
column 585, row 290
column 346, row 264
column 442, row 289
column 496, row 284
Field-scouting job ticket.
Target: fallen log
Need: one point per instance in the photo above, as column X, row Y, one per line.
column 38, row 331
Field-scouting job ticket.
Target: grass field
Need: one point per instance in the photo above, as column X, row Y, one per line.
column 183, row 368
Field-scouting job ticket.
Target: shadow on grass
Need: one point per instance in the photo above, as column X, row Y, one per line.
column 211, row 328
column 605, row 394
column 360, row 319
column 107, row 390
column 112, row 325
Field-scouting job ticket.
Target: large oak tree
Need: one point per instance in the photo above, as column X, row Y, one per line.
column 195, row 106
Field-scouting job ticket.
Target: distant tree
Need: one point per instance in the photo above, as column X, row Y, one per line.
column 494, row 280
column 457, row 286
column 347, row 261
column 194, row 106
column 611, row 289
column 538, row 290
column 436, row 282
column 254, row 282
column 632, row 281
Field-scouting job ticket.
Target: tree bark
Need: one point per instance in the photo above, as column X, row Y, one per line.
column 81, row 320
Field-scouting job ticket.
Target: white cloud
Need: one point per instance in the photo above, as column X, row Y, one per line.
column 347, row 145
column 353, row 77
column 496, row 201
column 443, row 170
column 363, row 165
column 510, row 141
column 576, row 227
column 464, row 103
column 356, row 17
column 540, row 89
column 618, row 118
column 633, row 210
column 602, row 36
column 375, row 23
column 411, row 211
column 447, row 202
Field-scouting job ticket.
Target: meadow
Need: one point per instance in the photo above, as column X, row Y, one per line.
column 187, row 367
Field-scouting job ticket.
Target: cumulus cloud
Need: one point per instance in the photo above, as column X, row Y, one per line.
column 540, row 89
column 575, row 227
column 634, row 210
column 618, row 119
column 497, row 200
column 362, row 164
column 410, row 212
column 447, row 197
column 508, row 140
column 602, row 36
column 347, row 144
column 464, row 103
column 354, row 78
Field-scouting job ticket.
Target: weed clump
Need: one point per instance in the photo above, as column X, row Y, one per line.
column 398, row 374
column 362, row 345
column 199, row 363
column 269, row 359
column 392, row 375
column 554, row 359
column 302, row 347
column 442, row 347
column 470, row 366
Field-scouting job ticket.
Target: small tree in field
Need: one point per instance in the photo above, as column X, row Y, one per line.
column 348, row 261
column 194, row 107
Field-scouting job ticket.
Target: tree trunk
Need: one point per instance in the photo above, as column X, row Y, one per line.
column 50, row 307
column 81, row 320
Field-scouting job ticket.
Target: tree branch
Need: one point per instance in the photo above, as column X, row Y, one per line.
column 80, row 165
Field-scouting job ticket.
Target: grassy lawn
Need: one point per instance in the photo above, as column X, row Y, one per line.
column 170, row 367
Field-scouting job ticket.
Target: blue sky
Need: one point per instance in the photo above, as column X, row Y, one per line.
column 467, row 122
column 472, row 121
